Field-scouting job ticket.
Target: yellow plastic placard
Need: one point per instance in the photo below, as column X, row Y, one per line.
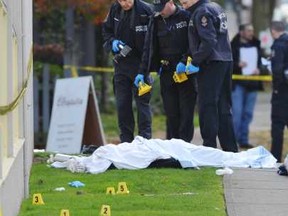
column 143, row 88
column 64, row 212
column 122, row 188
column 110, row 190
column 37, row 199
column 179, row 78
column 105, row 210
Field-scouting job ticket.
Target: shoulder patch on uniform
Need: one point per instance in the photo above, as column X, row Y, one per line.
column 204, row 21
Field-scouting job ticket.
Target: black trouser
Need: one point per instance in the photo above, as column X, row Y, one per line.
column 214, row 92
column 179, row 100
column 125, row 90
column 279, row 117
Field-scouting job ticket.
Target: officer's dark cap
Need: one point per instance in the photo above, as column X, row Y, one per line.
column 159, row 5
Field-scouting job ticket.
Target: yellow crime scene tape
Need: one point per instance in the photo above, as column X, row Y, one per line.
column 74, row 72
column 10, row 107
column 267, row 78
column 74, row 69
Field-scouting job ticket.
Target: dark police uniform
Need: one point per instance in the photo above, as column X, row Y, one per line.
column 130, row 27
column 167, row 40
column 210, row 48
column 279, row 100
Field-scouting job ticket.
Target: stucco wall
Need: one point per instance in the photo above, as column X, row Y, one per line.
column 16, row 126
column 11, row 190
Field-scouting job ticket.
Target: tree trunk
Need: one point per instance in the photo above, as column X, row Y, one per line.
column 102, row 59
column 69, row 39
column 87, row 42
column 262, row 14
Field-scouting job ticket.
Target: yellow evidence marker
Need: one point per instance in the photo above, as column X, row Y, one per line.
column 37, row 199
column 110, row 190
column 105, row 210
column 179, row 78
column 143, row 88
column 122, row 188
column 64, row 212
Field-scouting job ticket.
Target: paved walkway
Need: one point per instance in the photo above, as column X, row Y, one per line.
column 257, row 192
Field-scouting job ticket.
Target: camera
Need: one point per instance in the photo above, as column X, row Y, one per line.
column 124, row 51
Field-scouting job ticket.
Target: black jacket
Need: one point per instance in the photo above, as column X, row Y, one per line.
column 166, row 39
column 129, row 27
column 208, row 33
column 279, row 60
column 236, row 45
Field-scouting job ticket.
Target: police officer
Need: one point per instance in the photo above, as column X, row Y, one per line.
column 279, row 113
column 211, row 53
column 124, row 29
column 167, row 40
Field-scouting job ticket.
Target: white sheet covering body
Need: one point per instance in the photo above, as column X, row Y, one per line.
column 141, row 152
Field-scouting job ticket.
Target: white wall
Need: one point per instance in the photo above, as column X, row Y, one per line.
column 16, row 127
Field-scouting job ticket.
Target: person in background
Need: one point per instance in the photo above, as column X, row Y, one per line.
column 244, row 92
column 168, row 42
column 124, row 32
column 279, row 112
column 212, row 57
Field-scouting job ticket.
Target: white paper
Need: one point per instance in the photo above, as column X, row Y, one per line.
column 267, row 63
column 250, row 57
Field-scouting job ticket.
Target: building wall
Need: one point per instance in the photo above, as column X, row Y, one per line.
column 16, row 126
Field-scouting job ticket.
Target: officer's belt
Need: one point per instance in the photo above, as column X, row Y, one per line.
column 164, row 62
column 169, row 61
column 170, row 57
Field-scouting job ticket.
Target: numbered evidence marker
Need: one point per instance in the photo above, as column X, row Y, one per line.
column 122, row 188
column 37, row 199
column 110, row 190
column 105, row 210
column 64, row 212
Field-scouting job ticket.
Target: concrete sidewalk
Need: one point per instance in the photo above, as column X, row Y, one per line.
column 257, row 192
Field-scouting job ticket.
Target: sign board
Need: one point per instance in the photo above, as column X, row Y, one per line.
column 75, row 119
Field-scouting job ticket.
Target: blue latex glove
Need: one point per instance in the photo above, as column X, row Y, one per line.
column 192, row 69
column 115, row 45
column 76, row 184
column 138, row 78
column 180, row 68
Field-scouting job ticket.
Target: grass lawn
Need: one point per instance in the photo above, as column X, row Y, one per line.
column 152, row 192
